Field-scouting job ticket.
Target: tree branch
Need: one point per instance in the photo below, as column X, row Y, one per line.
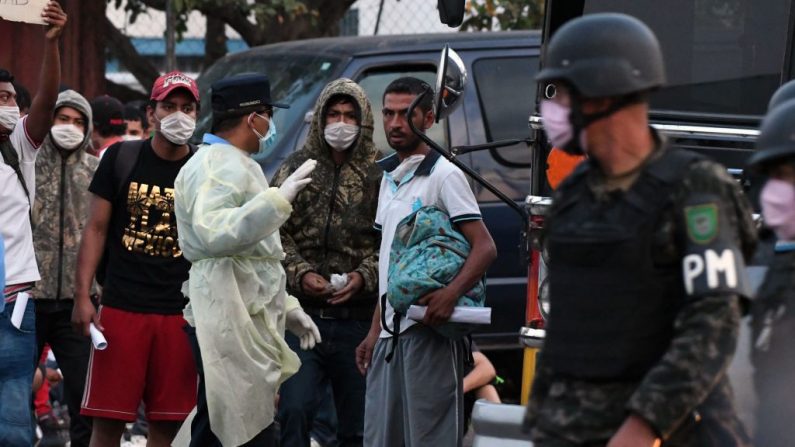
column 214, row 41
column 125, row 52
column 237, row 18
column 122, row 92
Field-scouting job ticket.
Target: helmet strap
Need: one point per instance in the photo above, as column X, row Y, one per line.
column 580, row 121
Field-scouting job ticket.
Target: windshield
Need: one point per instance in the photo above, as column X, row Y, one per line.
column 721, row 56
column 295, row 79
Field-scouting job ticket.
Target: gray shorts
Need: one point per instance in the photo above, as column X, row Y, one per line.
column 416, row 399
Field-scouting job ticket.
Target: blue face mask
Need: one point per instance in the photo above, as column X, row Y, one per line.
column 268, row 141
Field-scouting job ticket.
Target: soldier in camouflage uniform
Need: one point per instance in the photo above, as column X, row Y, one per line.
column 331, row 232
column 773, row 309
column 646, row 247
column 59, row 213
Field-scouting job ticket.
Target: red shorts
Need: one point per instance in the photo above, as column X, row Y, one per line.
column 148, row 358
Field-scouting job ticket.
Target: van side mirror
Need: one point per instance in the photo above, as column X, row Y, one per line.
column 451, row 12
column 451, row 79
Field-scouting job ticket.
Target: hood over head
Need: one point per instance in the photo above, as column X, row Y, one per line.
column 364, row 146
column 70, row 98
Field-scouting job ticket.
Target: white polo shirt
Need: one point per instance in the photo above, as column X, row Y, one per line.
column 14, row 213
column 433, row 182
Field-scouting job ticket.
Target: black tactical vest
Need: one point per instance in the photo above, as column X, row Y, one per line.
column 612, row 305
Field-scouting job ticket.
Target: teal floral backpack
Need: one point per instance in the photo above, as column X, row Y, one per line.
column 426, row 254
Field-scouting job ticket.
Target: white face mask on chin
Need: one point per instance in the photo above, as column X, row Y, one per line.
column 177, row 127
column 9, row 116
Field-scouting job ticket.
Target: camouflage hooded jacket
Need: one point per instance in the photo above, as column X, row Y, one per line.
column 60, row 210
column 331, row 227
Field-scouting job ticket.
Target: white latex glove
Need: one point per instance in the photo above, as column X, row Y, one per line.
column 302, row 326
column 297, row 180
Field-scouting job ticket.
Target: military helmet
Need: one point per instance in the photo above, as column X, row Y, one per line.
column 776, row 137
column 606, row 54
column 782, row 95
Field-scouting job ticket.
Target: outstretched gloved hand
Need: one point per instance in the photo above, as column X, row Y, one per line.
column 300, row 324
column 297, row 180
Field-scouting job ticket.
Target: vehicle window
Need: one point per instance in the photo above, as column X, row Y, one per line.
column 375, row 82
column 506, row 92
column 721, row 56
column 295, row 79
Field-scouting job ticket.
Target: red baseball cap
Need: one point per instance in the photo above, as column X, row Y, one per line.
column 169, row 82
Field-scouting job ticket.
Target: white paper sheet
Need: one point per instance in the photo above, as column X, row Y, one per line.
column 28, row 11
column 338, row 282
column 19, row 309
column 461, row 314
column 97, row 338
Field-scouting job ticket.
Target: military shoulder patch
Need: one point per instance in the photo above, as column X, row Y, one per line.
column 702, row 223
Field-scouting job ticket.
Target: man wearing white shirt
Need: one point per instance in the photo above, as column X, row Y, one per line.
column 19, row 140
column 417, row 398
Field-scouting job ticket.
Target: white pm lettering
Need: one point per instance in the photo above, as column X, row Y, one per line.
column 721, row 264
column 693, row 266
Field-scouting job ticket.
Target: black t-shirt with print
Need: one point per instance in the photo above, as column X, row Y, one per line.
column 145, row 266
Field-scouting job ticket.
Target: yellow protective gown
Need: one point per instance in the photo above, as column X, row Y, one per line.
column 228, row 220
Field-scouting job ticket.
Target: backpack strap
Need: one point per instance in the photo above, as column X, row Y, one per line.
column 126, row 159
column 394, row 332
column 11, row 158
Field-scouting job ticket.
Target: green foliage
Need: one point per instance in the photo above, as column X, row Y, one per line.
column 493, row 15
column 263, row 11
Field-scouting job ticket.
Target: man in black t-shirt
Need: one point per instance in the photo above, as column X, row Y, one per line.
column 132, row 221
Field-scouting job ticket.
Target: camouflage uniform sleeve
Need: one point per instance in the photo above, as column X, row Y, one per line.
column 281, row 174
column 706, row 326
column 368, row 268
column 705, row 338
column 538, row 392
column 295, row 266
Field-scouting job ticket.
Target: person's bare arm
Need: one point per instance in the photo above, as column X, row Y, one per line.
column 39, row 119
column 441, row 302
column 482, row 374
column 92, row 246
column 364, row 352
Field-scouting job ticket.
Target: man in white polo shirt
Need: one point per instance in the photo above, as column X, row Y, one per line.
column 19, row 140
column 417, row 398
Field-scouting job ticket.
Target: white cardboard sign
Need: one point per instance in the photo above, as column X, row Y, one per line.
column 28, row 11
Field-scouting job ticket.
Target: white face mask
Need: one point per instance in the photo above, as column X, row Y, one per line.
column 9, row 116
column 340, row 136
column 778, row 207
column 559, row 129
column 126, row 137
column 556, row 123
column 177, row 127
column 67, row 136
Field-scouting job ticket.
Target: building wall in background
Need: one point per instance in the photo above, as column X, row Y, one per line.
column 82, row 60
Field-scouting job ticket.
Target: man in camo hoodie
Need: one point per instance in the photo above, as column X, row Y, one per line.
column 60, row 210
column 331, row 232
